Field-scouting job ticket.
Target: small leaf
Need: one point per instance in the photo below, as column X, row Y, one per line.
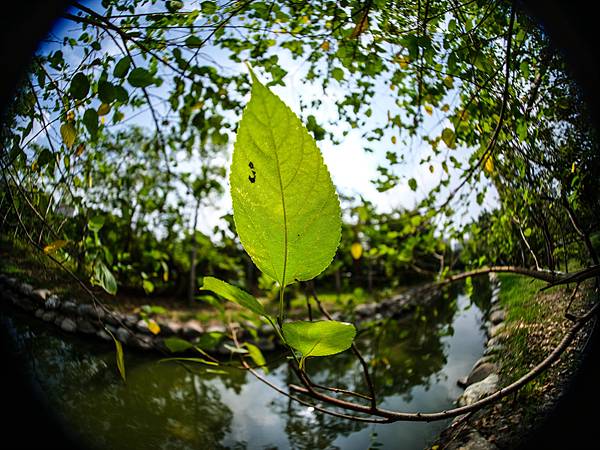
column 96, row 223
column 193, row 42
column 233, row 294
column 394, row 140
column 80, row 86
column 320, row 338
column 489, row 164
column 449, row 82
column 449, row 137
column 148, row 286
column 153, row 326
column 120, row 357
column 68, row 134
column 235, row 349
column 356, row 250
column 208, row 7
column 90, row 120
column 361, row 26
column 256, row 355
column 428, row 109
column 104, row 278
column 325, row 46
column 140, row 77
column 122, row 67
column 337, row 74
column 195, row 360
column 103, row 109
column 412, row 183
column 177, row 345
column 56, row 245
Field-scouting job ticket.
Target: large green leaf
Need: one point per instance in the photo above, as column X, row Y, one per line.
column 233, row 294
column 320, row 338
column 285, row 207
column 104, row 278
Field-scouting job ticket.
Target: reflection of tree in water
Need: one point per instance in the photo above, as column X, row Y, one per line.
column 161, row 406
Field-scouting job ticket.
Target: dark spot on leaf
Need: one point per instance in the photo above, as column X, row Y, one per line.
column 251, row 165
column 252, row 177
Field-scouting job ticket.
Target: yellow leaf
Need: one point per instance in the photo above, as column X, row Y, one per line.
column 356, row 250
column 573, row 167
column 102, row 120
column 325, row 46
column 103, row 109
column 153, row 327
column 428, row 109
column 449, row 82
column 165, row 276
column 68, row 134
column 403, row 61
column 80, row 149
column 489, row 164
column 430, row 168
column 393, row 139
column 52, row 247
column 34, row 166
column 70, row 116
column 446, row 107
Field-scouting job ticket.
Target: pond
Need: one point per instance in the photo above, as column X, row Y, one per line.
column 415, row 364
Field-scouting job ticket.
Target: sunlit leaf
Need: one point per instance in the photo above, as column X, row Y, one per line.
column 120, row 357
column 104, row 278
column 256, row 355
column 56, row 245
column 449, row 137
column 233, row 294
column 356, row 250
column 320, row 338
column 286, row 209
column 68, row 134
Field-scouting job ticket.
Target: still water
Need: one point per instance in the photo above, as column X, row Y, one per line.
column 415, row 364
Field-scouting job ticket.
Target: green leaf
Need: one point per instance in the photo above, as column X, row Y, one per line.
column 196, row 360
column 122, row 67
column 104, row 278
column 233, row 294
column 208, row 7
column 96, row 223
column 193, row 42
column 256, row 355
column 320, row 338
column 80, row 86
column 177, row 345
column 120, row 358
column 90, row 120
column 68, row 134
column 106, row 92
column 337, row 74
column 449, row 137
column 233, row 349
column 285, row 207
column 148, row 286
column 412, row 183
column 140, row 77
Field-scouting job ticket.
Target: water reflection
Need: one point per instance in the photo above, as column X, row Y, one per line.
column 415, row 364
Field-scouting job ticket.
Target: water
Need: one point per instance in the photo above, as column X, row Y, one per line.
column 415, row 366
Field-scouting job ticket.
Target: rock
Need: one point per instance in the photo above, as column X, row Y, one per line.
column 479, row 390
column 11, row 281
column 123, row 335
column 168, row 327
column 112, row 319
column 68, row 325
column 497, row 316
column 39, row 313
column 25, row 303
column 495, row 330
column 130, row 320
column 462, row 382
column 471, row 441
column 58, row 319
column 480, row 361
column 192, row 329
column 491, row 349
column 69, row 307
column 494, row 342
column 142, row 326
column 41, row 294
column 103, row 335
column 26, row 289
column 52, row 302
column 366, row 309
column 85, row 327
column 48, row 316
column 481, row 372
column 143, row 341
column 85, row 310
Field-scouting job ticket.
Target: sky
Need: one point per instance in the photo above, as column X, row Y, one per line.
column 351, row 168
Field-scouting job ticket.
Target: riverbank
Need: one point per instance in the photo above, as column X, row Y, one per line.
column 524, row 326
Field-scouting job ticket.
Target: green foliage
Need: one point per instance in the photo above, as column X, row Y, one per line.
column 285, row 207
column 233, row 294
column 320, row 338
